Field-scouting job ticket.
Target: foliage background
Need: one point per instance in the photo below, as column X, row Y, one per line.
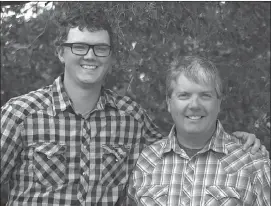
column 234, row 35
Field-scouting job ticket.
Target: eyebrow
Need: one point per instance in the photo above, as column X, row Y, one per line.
column 105, row 44
column 206, row 91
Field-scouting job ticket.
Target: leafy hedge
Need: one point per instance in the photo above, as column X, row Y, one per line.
column 234, row 35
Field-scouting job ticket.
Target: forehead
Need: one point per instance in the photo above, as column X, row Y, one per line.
column 183, row 83
column 89, row 37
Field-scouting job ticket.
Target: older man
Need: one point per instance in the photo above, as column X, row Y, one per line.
column 199, row 163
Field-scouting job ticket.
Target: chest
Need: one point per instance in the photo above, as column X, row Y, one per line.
column 101, row 149
column 199, row 181
column 102, row 127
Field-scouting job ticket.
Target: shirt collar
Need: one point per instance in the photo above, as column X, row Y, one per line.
column 62, row 102
column 106, row 99
column 171, row 143
column 217, row 143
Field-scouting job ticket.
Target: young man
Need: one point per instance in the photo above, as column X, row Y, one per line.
column 199, row 163
column 74, row 142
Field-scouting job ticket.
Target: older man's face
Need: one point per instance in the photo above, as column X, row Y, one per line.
column 194, row 107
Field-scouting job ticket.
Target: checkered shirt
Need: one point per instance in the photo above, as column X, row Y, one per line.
column 52, row 156
column 221, row 174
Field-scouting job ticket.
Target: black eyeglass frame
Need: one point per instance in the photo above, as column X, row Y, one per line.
column 89, row 46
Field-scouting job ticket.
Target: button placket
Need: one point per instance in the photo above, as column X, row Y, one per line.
column 84, row 161
column 92, row 156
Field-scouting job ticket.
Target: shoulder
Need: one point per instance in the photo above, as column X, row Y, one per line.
column 126, row 104
column 151, row 155
column 232, row 143
column 158, row 146
column 237, row 158
column 21, row 106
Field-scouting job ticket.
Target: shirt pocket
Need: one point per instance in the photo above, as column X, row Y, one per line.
column 222, row 195
column 49, row 163
column 114, row 165
column 153, row 195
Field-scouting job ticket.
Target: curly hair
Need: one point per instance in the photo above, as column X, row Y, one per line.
column 92, row 21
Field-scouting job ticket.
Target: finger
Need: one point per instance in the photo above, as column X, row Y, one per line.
column 238, row 134
column 263, row 149
column 256, row 146
column 246, row 147
column 248, row 142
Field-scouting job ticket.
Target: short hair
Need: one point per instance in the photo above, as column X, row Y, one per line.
column 196, row 69
column 92, row 21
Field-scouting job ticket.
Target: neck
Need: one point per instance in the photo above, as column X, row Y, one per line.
column 84, row 98
column 194, row 140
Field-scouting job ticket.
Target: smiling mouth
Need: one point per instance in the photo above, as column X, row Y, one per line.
column 89, row 67
column 194, row 117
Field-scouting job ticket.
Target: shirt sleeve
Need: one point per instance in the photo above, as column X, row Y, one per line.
column 135, row 182
column 261, row 185
column 152, row 133
column 140, row 178
column 11, row 144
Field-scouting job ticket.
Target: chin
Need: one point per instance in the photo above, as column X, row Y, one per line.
column 194, row 132
column 88, row 82
column 92, row 82
column 86, row 79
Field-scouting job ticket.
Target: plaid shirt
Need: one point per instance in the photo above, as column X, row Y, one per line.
column 52, row 156
column 221, row 174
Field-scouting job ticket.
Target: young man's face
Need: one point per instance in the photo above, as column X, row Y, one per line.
column 88, row 69
column 194, row 107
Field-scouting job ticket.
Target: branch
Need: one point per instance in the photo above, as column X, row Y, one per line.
column 44, row 29
column 30, row 45
column 188, row 11
column 13, row 3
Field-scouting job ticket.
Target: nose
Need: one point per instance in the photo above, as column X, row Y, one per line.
column 90, row 54
column 194, row 103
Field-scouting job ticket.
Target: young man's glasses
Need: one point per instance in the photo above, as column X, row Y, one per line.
column 100, row 50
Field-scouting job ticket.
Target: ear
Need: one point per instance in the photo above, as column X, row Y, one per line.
column 168, row 104
column 112, row 61
column 109, row 69
column 219, row 104
column 60, row 53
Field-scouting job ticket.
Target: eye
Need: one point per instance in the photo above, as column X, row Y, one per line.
column 102, row 48
column 207, row 95
column 183, row 95
column 79, row 47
